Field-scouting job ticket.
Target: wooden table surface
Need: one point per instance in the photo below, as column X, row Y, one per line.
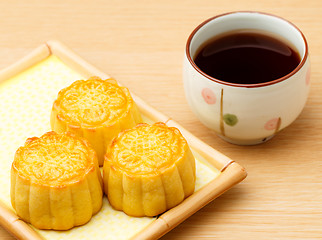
column 141, row 44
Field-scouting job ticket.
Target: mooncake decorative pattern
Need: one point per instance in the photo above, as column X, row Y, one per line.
column 56, row 182
column 95, row 109
column 148, row 170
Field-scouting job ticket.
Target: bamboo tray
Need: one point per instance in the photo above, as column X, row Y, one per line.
column 52, row 61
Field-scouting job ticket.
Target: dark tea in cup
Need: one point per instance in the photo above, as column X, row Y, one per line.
column 247, row 57
column 246, row 75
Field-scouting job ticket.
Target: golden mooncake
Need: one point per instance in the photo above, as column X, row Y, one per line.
column 148, row 170
column 56, row 182
column 95, row 109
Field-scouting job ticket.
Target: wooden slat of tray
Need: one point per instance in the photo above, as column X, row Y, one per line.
column 231, row 172
column 11, row 222
column 26, row 62
column 230, row 176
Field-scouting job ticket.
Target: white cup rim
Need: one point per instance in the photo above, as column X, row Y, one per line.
column 252, row 85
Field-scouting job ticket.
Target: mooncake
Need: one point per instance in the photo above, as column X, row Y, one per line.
column 95, row 109
column 56, row 182
column 148, row 169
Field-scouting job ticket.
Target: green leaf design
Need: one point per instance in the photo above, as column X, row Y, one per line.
column 230, row 119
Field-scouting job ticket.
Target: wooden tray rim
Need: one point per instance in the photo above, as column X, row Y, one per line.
column 231, row 172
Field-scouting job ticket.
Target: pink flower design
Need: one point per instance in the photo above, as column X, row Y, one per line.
column 308, row 76
column 273, row 124
column 208, row 95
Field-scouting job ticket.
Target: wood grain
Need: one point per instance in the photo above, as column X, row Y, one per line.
column 10, row 221
column 141, row 44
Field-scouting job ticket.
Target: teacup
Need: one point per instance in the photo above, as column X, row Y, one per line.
column 246, row 114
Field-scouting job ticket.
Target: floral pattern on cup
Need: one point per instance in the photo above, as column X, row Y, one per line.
column 273, row 124
column 230, row 119
column 209, row 96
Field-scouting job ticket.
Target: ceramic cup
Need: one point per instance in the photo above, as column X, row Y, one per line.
column 246, row 114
